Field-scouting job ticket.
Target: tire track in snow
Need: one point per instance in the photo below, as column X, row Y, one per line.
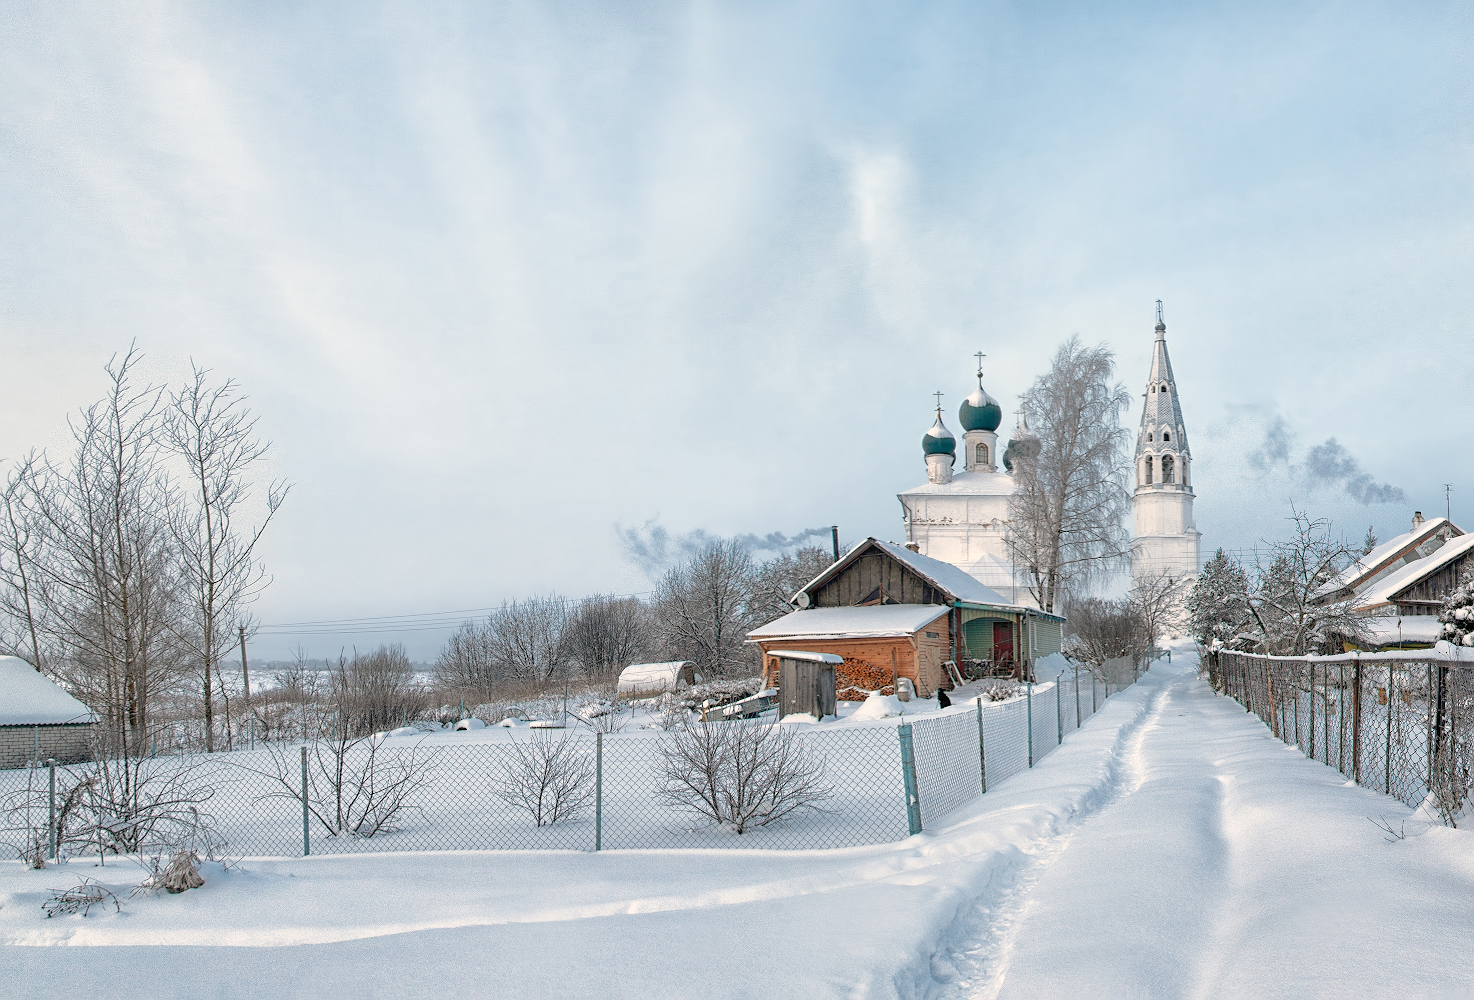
column 978, row 965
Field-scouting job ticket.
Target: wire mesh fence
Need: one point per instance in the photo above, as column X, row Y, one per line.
column 1397, row 723
column 703, row 785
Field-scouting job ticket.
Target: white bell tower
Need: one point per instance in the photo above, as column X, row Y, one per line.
column 1166, row 538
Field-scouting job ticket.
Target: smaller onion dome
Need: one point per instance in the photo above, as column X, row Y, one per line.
column 980, row 411
column 1024, row 444
column 939, row 440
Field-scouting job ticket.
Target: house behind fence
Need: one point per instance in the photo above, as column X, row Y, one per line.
column 39, row 720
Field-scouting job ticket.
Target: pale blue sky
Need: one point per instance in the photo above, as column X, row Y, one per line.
column 499, row 277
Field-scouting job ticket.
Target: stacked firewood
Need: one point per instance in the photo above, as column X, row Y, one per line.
column 856, row 680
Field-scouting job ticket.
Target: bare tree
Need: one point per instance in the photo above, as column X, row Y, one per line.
column 469, row 659
column 1067, row 513
column 21, row 551
column 550, row 778
column 212, row 435
column 701, row 610
column 1102, row 629
column 605, row 634
column 527, row 638
column 776, row 581
column 740, row 774
column 1287, row 601
column 108, row 581
column 1157, row 599
column 374, row 692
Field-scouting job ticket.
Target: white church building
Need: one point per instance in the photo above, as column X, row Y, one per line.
column 962, row 517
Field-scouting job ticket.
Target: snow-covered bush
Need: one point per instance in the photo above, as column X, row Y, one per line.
column 720, row 692
column 180, row 872
column 1457, row 613
column 1000, row 690
column 740, row 774
column 551, row 779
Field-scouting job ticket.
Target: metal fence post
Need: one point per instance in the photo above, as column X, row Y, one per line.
column 1030, row 695
column 51, row 836
column 1077, row 697
column 908, row 772
column 598, row 791
column 982, row 756
column 1059, row 715
column 306, row 842
column 1356, row 722
column 1094, row 699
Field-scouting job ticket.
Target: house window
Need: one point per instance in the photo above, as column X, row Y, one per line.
column 982, row 455
column 1148, row 470
column 1167, row 468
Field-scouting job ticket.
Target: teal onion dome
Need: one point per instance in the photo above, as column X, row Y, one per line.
column 980, row 412
column 939, row 440
column 1023, row 445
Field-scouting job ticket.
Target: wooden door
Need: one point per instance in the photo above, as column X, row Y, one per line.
column 1003, row 642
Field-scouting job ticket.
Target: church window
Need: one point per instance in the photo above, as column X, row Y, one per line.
column 1153, row 388
column 1166, row 435
column 1148, row 435
column 1164, row 386
column 1167, row 468
column 1148, row 470
column 982, row 455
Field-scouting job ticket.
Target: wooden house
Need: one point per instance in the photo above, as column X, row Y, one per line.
column 890, row 610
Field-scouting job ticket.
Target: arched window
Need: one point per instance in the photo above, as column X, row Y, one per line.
column 1164, row 386
column 1148, row 435
column 1167, row 468
column 1148, row 470
column 982, row 455
column 1152, row 389
column 1166, row 435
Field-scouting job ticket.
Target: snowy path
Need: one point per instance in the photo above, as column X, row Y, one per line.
column 1169, row 848
column 1222, row 863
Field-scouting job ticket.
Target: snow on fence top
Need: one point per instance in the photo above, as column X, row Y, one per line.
column 29, row 698
column 654, row 677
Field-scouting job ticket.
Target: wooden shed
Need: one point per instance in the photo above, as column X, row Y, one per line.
column 877, row 644
column 978, row 623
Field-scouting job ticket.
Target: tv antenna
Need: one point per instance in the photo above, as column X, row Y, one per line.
column 1448, row 488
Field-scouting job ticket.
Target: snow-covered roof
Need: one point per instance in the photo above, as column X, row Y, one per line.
column 992, row 484
column 1383, row 590
column 873, row 622
column 1384, row 557
column 654, row 676
column 29, row 698
column 1414, row 628
column 946, row 576
column 798, row 654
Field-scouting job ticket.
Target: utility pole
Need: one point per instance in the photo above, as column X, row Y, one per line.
column 245, row 670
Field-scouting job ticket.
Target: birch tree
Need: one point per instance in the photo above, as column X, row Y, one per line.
column 1067, row 514
column 212, row 436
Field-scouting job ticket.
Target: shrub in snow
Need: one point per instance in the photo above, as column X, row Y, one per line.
column 551, row 778
column 355, row 788
column 122, row 804
column 672, row 712
column 999, row 690
column 720, row 692
column 180, row 872
column 740, row 774
column 80, row 898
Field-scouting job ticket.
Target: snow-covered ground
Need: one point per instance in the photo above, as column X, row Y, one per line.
column 1171, row 847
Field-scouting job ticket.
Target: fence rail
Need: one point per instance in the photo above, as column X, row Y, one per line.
column 1399, row 724
column 877, row 782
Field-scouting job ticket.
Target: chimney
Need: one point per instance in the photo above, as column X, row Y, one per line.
column 913, row 547
column 1417, row 519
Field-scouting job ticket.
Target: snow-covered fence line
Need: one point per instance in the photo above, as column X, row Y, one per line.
column 521, row 789
column 1399, row 722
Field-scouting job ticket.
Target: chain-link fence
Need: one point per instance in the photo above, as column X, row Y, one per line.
column 722, row 784
column 1398, row 723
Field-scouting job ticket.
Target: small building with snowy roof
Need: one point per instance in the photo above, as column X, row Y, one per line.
column 1393, row 556
column 38, row 719
column 1417, row 588
column 891, row 611
column 656, row 678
